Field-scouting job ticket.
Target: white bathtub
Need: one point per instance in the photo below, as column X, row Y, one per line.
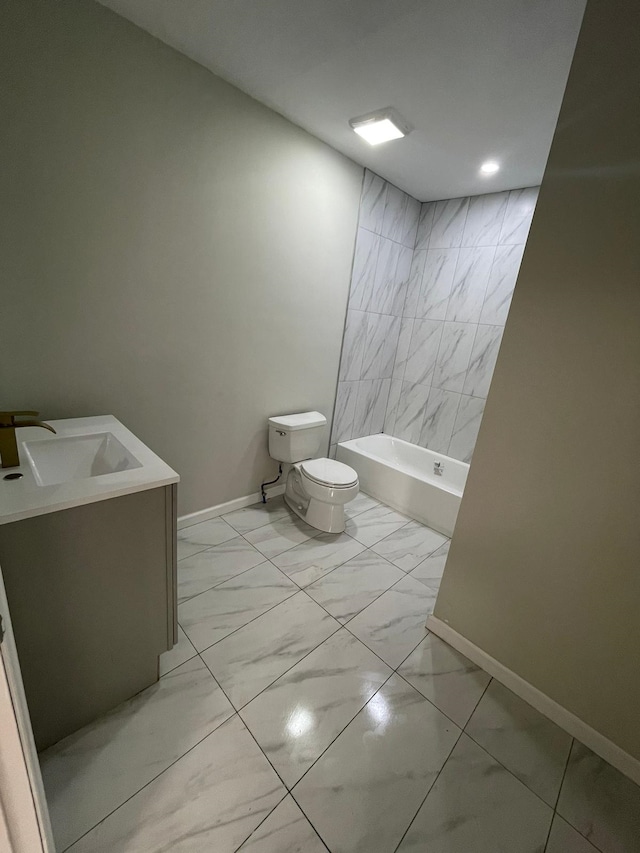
column 402, row 475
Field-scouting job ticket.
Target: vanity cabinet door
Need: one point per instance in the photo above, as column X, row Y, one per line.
column 92, row 596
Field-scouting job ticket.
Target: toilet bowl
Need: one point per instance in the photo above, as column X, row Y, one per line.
column 316, row 489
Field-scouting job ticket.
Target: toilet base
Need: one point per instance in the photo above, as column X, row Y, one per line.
column 326, row 517
column 320, row 506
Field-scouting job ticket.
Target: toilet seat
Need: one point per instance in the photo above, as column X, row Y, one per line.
column 329, row 472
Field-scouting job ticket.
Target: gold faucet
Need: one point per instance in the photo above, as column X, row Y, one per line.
column 9, row 457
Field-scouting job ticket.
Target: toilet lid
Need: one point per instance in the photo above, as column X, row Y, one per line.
column 329, row 472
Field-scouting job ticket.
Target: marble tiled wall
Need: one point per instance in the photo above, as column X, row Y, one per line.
column 466, row 260
column 382, row 264
column 419, row 352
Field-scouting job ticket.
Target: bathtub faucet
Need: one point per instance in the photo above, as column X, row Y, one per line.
column 438, row 469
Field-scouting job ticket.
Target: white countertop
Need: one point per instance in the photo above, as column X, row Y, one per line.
column 24, row 498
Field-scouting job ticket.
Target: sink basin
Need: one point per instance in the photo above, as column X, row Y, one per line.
column 88, row 460
column 77, row 457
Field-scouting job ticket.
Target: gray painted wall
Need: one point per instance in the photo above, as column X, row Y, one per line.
column 543, row 568
column 174, row 253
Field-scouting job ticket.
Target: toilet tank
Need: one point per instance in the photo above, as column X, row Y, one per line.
column 293, row 438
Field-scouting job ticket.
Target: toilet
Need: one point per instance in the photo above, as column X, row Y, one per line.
column 316, row 489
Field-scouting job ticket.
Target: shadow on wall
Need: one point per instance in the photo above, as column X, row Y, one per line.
column 427, row 309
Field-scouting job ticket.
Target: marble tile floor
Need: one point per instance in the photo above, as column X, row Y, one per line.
column 306, row 708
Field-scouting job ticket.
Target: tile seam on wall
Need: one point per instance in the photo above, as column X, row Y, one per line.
column 390, row 239
column 490, row 212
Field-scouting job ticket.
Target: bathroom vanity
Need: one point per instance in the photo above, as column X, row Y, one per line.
column 88, row 555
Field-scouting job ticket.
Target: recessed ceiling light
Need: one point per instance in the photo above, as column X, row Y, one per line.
column 490, row 167
column 381, row 126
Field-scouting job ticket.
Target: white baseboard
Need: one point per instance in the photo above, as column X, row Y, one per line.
column 229, row 506
column 576, row 727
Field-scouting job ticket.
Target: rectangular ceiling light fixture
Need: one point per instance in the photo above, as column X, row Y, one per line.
column 381, row 126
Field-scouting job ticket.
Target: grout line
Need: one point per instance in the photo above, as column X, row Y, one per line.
column 327, row 573
column 546, row 842
column 235, row 711
column 251, row 545
column 236, row 714
column 244, row 571
column 291, row 792
column 343, row 729
column 244, row 625
column 404, row 660
column 204, row 547
column 341, row 566
column 157, row 776
column 446, row 761
column 295, row 546
column 309, row 821
column 566, row 767
column 566, row 764
column 406, row 680
column 555, row 806
column 296, row 520
column 266, row 817
column 351, row 632
column 579, row 832
column 279, row 517
column 390, row 239
column 207, row 547
column 395, row 671
column 253, row 737
column 411, row 687
column 284, row 784
column 290, row 789
column 501, row 763
column 334, row 407
column 290, row 668
column 373, row 601
column 338, row 623
column 227, row 580
column 341, row 625
column 480, row 698
column 303, row 589
column 444, row 764
column 288, row 794
column 345, row 624
column 574, row 741
column 493, row 757
column 282, row 674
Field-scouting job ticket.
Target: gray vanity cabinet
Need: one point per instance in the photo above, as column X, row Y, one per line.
column 92, row 595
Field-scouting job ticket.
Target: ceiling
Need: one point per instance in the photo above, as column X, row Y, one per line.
column 478, row 79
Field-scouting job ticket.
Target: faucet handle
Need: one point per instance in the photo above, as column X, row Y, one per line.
column 8, row 418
